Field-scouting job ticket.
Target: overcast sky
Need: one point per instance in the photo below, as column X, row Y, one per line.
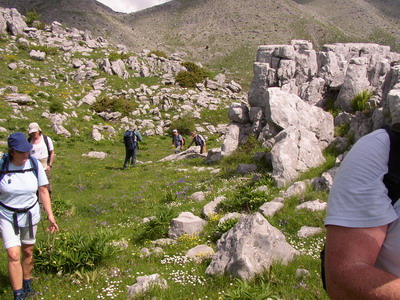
column 128, row 6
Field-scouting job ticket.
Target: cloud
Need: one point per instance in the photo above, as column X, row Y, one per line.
column 128, row 6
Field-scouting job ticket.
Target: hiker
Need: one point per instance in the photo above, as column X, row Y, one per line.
column 42, row 150
column 131, row 138
column 22, row 177
column 177, row 141
column 362, row 258
column 199, row 140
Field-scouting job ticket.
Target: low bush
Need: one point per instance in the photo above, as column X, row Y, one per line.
column 157, row 227
column 185, row 125
column 45, row 49
column 31, row 17
column 56, row 107
column 109, row 104
column 113, row 56
column 194, row 74
column 66, row 252
column 158, row 53
column 359, row 102
column 224, row 227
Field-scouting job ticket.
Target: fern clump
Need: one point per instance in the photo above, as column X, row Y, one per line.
column 69, row 251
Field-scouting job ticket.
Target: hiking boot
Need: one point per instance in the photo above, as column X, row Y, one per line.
column 27, row 286
column 19, row 296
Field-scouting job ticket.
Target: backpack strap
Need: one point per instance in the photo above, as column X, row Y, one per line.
column 46, row 141
column 392, row 178
column 4, row 165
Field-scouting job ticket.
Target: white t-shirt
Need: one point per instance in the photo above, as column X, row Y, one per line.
column 18, row 190
column 39, row 150
column 359, row 199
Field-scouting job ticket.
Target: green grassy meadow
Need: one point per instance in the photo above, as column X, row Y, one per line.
column 92, row 195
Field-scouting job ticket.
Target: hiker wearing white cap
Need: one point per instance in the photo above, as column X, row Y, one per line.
column 42, row 149
column 177, row 141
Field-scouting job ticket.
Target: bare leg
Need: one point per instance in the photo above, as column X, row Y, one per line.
column 27, row 261
column 14, row 267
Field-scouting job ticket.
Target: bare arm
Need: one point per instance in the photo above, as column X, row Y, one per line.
column 46, row 202
column 350, row 257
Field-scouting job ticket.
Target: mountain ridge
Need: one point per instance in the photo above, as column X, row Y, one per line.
column 225, row 34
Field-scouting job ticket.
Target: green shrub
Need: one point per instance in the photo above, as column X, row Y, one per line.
column 224, row 227
column 121, row 105
column 192, row 76
column 66, row 252
column 342, row 130
column 56, row 107
column 45, row 49
column 359, row 102
column 158, row 53
column 32, row 16
column 113, row 56
column 170, row 197
column 62, row 208
column 185, row 125
column 156, row 228
column 242, row 155
column 248, row 199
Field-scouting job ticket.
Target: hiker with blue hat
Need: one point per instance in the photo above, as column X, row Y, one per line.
column 21, row 177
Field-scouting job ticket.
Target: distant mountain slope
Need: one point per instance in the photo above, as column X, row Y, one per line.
column 226, row 33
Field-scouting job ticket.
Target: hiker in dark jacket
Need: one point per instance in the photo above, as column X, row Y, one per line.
column 177, row 141
column 132, row 137
column 199, row 140
column 21, row 178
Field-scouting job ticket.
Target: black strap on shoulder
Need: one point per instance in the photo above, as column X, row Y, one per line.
column 392, row 178
column 46, row 141
column 6, row 163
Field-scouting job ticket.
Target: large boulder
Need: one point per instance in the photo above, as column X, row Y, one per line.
column 144, row 283
column 295, row 151
column 12, row 21
column 249, row 248
column 239, row 113
column 186, row 223
column 284, row 109
column 231, row 139
column 355, row 82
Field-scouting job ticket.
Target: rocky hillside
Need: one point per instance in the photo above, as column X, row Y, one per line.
column 71, row 73
column 226, row 33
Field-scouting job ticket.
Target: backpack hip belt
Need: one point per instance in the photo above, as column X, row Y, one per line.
column 21, row 211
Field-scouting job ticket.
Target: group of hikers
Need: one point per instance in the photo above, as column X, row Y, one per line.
column 132, row 137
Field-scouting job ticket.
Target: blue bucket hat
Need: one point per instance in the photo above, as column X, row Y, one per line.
column 18, row 142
